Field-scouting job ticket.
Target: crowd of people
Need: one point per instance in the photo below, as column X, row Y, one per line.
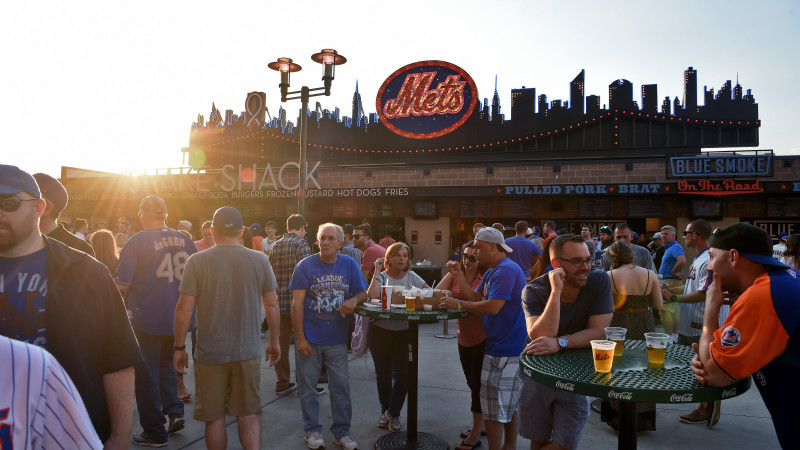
column 112, row 312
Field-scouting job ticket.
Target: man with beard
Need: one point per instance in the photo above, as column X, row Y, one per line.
column 760, row 335
column 567, row 308
column 70, row 307
column 641, row 257
column 325, row 287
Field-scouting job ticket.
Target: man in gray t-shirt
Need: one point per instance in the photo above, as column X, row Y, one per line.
column 226, row 283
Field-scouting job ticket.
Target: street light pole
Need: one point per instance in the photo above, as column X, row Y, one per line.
column 329, row 58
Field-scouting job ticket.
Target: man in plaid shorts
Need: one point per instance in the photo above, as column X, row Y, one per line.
column 498, row 299
column 566, row 308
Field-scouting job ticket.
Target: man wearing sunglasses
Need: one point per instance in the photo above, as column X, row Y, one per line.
column 370, row 251
column 565, row 309
column 760, row 335
column 69, row 305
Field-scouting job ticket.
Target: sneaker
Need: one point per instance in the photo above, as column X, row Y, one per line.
column 291, row 387
column 346, row 442
column 394, row 424
column 322, row 390
column 314, row 440
column 141, row 439
column 383, row 422
column 695, row 417
column 713, row 414
column 175, row 424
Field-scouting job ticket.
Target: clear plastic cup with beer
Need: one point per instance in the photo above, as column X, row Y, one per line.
column 603, row 355
column 656, row 347
column 617, row 334
column 411, row 303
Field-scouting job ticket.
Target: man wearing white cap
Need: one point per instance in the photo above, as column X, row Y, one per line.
column 499, row 299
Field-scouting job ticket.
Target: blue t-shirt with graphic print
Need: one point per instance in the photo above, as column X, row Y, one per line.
column 327, row 287
column 23, row 294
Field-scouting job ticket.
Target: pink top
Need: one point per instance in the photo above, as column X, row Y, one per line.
column 470, row 329
column 369, row 256
column 201, row 245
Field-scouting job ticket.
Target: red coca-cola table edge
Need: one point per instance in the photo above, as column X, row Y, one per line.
column 632, row 380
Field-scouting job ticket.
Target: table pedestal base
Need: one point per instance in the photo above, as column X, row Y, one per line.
column 399, row 441
column 627, row 426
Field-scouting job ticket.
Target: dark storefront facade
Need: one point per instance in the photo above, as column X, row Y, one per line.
column 574, row 164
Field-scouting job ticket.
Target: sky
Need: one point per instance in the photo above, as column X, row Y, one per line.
column 115, row 86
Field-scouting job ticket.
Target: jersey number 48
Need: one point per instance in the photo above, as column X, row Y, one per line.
column 171, row 266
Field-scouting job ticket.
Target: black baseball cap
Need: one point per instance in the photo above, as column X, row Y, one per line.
column 227, row 218
column 750, row 241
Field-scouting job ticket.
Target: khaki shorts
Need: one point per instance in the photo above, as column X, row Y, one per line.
column 232, row 388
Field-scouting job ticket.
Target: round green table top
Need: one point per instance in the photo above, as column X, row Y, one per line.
column 632, row 377
column 375, row 311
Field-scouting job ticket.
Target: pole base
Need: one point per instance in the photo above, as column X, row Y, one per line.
column 399, row 441
column 444, row 336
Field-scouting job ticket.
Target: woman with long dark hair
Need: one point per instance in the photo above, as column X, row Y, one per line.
column 467, row 274
column 635, row 291
column 105, row 249
column 791, row 256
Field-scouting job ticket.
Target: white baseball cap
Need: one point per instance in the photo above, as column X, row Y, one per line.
column 493, row 236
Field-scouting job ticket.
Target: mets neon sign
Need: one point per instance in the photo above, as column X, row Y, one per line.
column 426, row 99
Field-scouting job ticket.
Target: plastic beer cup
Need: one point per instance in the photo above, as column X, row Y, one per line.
column 603, row 355
column 617, row 334
column 656, row 347
column 411, row 303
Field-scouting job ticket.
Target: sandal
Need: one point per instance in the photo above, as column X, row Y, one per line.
column 464, row 446
column 466, row 433
column 184, row 395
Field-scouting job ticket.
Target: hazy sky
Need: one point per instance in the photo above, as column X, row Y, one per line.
column 116, row 85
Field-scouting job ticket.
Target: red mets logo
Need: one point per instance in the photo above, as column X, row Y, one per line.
column 426, row 99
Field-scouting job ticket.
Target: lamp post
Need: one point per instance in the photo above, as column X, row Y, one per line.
column 329, row 58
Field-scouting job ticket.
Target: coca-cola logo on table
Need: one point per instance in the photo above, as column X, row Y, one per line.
column 682, row 398
column 565, row 386
column 426, row 99
column 624, row 395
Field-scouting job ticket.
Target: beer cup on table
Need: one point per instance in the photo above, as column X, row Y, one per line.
column 617, row 334
column 656, row 347
column 411, row 303
column 603, row 355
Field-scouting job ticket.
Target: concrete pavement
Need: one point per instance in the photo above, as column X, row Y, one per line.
column 444, row 411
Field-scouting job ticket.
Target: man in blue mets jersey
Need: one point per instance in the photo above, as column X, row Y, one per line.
column 149, row 274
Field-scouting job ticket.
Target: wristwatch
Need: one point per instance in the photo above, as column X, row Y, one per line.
column 179, row 348
column 673, row 298
column 562, row 342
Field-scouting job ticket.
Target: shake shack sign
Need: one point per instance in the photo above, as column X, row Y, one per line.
column 426, row 99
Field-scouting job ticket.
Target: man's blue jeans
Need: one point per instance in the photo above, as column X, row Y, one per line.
column 308, row 370
column 156, row 385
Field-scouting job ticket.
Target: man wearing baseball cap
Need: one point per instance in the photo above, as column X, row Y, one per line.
column 761, row 336
column 55, row 196
column 69, row 306
column 780, row 247
column 499, row 299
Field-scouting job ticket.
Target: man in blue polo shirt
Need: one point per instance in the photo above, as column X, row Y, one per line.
column 672, row 270
column 499, row 299
column 148, row 275
column 523, row 251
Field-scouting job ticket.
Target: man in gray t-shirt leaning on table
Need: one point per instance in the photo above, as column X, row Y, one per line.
column 226, row 283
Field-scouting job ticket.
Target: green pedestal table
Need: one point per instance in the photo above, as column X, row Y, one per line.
column 632, row 380
column 411, row 439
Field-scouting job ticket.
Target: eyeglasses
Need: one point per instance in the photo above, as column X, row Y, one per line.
column 717, row 231
column 470, row 258
column 605, row 229
column 11, row 204
column 577, row 262
column 692, row 232
column 356, row 236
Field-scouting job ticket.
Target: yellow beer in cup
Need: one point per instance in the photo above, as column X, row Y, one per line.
column 603, row 355
column 656, row 347
column 411, row 303
column 617, row 334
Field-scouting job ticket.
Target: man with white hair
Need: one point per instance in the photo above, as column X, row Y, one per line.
column 326, row 287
